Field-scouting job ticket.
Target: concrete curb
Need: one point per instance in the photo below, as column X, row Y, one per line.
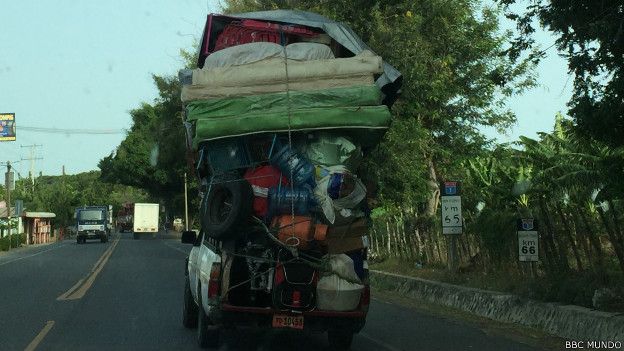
column 566, row 321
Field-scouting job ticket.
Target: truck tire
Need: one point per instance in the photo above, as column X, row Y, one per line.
column 339, row 339
column 227, row 207
column 207, row 332
column 189, row 310
column 78, row 240
column 135, row 236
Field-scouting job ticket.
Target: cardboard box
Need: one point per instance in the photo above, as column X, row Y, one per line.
column 356, row 229
column 342, row 245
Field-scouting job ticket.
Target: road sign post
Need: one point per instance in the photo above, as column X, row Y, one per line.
column 451, row 216
column 528, row 242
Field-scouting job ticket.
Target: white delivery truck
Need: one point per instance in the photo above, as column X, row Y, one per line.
column 145, row 220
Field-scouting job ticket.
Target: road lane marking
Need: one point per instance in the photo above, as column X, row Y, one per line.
column 177, row 248
column 379, row 342
column 82, row 286
column 37, row 340
column 35, row 254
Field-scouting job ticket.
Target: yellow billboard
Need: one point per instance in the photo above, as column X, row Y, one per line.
column 7, row 126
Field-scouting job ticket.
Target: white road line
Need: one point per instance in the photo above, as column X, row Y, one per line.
column 177, row 248
column 379, row 342
column 35, row 254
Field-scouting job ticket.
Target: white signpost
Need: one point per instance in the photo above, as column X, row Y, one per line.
column 528, row 240
column 452, row 221
column 451, row 214
column 528, row 246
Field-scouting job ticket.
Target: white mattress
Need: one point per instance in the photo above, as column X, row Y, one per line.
column 273, row 71
column 205, row 92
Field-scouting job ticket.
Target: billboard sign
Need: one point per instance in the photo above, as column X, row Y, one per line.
column 7, row 126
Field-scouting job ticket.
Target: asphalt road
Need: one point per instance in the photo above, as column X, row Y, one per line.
column 127, row 295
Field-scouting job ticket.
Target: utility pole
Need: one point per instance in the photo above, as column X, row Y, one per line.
column 32, row 160
column 186, row 228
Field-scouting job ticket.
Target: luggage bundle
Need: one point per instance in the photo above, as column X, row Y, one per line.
column 279, row 120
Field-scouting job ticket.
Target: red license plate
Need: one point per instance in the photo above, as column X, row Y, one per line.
column 284, row 321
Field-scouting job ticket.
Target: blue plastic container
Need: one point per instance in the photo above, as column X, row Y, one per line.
column 226, row 155
column 281, row 200
column 288, row 161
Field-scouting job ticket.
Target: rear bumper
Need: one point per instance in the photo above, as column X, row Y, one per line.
column 92, row 234
column 316, row 320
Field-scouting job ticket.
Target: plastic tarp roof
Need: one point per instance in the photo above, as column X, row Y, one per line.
column 391, row 79
column 346, row 108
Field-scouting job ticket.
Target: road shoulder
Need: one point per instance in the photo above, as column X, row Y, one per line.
column 519, row 334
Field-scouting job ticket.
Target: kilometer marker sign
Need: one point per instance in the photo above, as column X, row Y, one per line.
column 450, row 202
column 528, row 240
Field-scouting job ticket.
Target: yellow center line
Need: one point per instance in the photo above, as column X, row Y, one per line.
column 82, row 286
column 37, row 340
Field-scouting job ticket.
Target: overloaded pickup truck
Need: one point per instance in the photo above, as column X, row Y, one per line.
column 279, row 115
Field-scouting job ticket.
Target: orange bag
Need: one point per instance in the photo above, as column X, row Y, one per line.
column 300, row 232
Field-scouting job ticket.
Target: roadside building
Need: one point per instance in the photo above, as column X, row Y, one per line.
column 38, row 227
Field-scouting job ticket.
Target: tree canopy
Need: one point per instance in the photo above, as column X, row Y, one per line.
column 590, row 35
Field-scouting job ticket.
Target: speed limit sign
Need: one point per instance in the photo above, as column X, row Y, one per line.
column 528, row 240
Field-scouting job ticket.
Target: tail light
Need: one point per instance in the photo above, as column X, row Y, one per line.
column 215, row 280
column 279, row 274
column 296, row 298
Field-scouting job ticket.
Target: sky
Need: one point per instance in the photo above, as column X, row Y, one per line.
column 73, row 64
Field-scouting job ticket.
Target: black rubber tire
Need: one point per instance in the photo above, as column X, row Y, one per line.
column 207, row 333
column 227, row 208
column 78, row 241
column 339, row 339
column 135, row 236
column 189, row 310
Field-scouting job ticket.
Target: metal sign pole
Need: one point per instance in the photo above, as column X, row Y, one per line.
column 8, row 189
column 186, row 228
column 528, row 243
column 452, row 222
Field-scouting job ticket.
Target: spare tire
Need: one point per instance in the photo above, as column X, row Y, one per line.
column 227, row 208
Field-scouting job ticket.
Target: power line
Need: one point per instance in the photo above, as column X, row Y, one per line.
column 72, row 131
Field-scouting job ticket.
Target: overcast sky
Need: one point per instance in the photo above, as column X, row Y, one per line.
column 85, row 64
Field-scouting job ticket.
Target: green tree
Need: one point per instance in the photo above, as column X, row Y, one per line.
column 151, row 156
column 590, row 34
column 455, row 80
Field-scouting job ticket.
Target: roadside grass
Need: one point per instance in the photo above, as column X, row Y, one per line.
column 575, row 288
column 16, row 241
column 498, row 281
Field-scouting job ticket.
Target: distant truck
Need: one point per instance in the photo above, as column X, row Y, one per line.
column 145, row 220
column 125, row 217
column 92, row 222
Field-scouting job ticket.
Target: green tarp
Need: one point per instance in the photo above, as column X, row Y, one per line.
column 278, row 102
column 358, row 117
column 355, row 107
